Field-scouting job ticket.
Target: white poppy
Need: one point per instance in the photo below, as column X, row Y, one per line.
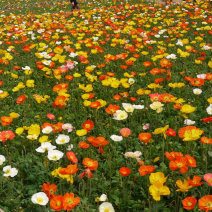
column 55, row 155
column 106, row 206
column 40, row 198
column 189, row 122
column 128, row 107
column 2, row 159
column 136, row 154
column 116, row 138
column 46, row 146
column 10, row 172
column 120, row 115
column 209, row 109
column 47, row 130
column 138, row 107
column 62, row 139
column 197, row 91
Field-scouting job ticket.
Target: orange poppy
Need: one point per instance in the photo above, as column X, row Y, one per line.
column 191, row 161
column 91, row 164
column 69, row 201
column 143, row 170
column 49, row 189
column 205, row 203
column 179, row 163
column 117, row 97
column 129, row 62
column 59, row 102
column 197, row 81
column 165, row 63
column 208, row 76
column 206, row 140
column 177, row 106
column 124, row 171
column 159, row 80
column 166, row 97
column 145, row 137
column 123, row 67
column 69, row 170
column 111, row 74
column 95, row 104
column 69, row 77
column 88, row 125
column 147, row 63
column 57, row 127
column 83, row 145
column 155, row 71
column 189, row 203
column 111, row 109
column 173, row 155
column 6, row 120
column 99, row 142
column 195, row 182
column 56, row 203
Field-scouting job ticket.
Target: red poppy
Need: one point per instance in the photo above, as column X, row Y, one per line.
column 72, row 157
column 88, row 125
column 189, row 203
column 170, row 132
column 20, row 99
column 6, row 135
column 87, row 172
column 124, row 171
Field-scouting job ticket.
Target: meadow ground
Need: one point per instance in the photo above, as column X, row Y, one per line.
column 105, row 109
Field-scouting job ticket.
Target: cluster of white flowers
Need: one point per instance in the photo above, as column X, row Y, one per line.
column 128, row 108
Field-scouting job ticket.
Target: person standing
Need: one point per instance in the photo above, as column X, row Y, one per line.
column 74, row 4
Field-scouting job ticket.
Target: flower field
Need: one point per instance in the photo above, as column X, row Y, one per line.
column 106, row 109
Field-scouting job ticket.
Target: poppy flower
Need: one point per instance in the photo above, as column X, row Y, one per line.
column 183, row 185
column 145, row 137
column 189, row 203
column 124, row 171
column 20, row 99
column 208, row 178
column 88, row 125
column 125, row 132
column 83, row 145
column 170, row 132
column 49, row 189
column 91, row 164
column 147, row 63
column 56, row 203
column 195, row 182
column 69, row 170
column 143, row 170
column 205, row 203
column 206, row 140
column 69, row 201
column 179, row 163
column 173, row 155
column 6, row 135
column 6, row 120
column 165, row 63
column 111, row 109
column 72, row 157
column 87, row 172
column 95, row 104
